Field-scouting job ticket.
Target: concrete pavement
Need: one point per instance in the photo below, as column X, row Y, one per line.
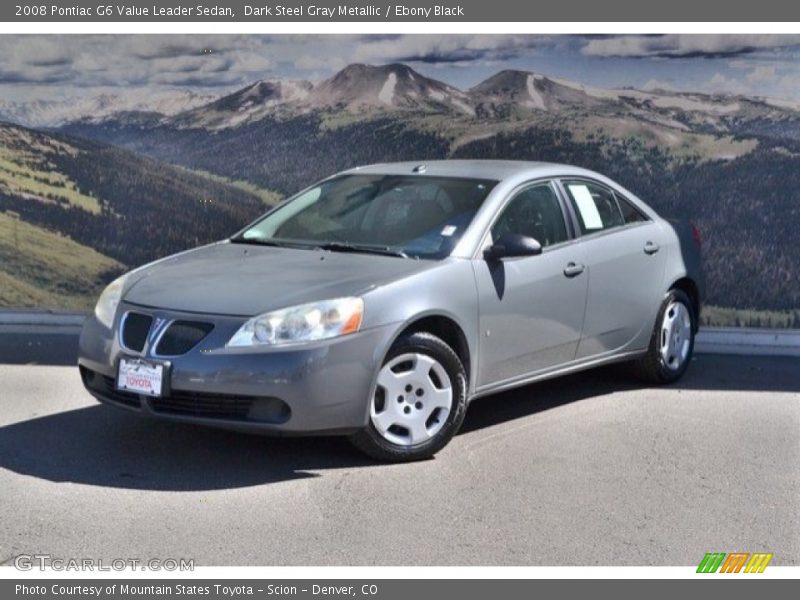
column 586, row 470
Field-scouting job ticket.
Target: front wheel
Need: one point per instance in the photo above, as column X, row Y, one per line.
column 672, row 342
column 419, row 401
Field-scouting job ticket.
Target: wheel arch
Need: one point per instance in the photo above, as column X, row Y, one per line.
column 449, row 331
column 691, row 289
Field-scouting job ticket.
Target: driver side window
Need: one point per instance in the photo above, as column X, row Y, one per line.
column 534, row 212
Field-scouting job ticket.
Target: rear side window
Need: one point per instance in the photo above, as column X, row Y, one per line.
column 630, row 213
column 596, row 206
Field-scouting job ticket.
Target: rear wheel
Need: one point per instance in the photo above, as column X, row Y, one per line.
column 418, row 403
column 672, row 342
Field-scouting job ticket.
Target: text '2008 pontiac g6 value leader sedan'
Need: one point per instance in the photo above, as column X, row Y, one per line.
column 380, row 301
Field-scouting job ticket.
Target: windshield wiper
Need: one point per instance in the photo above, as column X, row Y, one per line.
column 267, row 242
column 345, row 247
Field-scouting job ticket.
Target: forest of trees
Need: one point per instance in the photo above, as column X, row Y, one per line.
column 148, row 209
column 747, row 208
column 280, row 155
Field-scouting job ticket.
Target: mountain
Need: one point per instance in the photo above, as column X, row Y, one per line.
column 388, row 87
column 367, row 91
column 52, row 113
column 729, row 162
column 370, row 91
column 356, row 89
column 261, row 99
column 98, row 210
column 528, row 91
column 687, row 125
column 512, row 94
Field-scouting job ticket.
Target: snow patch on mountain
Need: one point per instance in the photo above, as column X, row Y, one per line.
column 599, row 93
column 695, row 105
column 463, row 106
column 536, row 100
column 387, row 91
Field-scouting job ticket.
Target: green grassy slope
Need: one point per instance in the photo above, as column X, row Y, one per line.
column 75, row 212
column 40, row 268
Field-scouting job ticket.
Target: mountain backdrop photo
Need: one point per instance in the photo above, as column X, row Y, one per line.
column 118, row 150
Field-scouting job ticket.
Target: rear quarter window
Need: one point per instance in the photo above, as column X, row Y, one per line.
column 596, row 206
column 630, row 213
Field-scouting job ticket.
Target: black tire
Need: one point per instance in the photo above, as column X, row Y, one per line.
column 372, row 443
column 651, row 367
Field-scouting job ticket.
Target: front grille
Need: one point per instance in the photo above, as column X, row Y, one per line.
column 106, row 387
column 135, row 328
column 197, row 404
column 182, row 336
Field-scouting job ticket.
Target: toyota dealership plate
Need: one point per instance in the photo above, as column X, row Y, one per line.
column 140, row 376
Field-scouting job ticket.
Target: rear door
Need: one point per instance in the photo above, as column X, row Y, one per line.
column 531, row 308
column 625, row 268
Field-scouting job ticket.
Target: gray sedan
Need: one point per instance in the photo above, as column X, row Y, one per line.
column 379, row 302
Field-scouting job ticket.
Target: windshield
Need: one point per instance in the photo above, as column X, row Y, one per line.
column 418, row 216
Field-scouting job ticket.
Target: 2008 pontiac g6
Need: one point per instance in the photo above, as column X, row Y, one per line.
column 379, row 302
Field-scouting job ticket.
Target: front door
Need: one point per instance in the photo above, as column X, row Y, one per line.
column 531, row 308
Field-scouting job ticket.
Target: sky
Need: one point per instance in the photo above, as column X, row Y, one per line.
column 41, row 67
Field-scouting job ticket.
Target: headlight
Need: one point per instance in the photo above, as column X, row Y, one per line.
column 304, row 323
column 107, row 304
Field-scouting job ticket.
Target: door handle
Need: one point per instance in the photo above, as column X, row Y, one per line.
column 651, row 247
column 573, row 269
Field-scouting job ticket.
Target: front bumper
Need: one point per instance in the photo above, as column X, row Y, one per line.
column 322, row 387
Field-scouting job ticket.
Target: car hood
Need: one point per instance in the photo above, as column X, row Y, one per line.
column 246, row 280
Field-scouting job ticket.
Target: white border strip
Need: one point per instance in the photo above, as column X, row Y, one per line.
column 377, row 573
column 383, row 27
column 717, row 340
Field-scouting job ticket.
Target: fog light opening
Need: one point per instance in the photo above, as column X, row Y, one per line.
column 269, row 410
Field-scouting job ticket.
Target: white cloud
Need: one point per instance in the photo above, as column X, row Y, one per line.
column 722, row 84
column 658, row 84
column 314, row 63
column 59, row 66
column 685, row 45
column 761, row 80
column 762, row 74
column 447, row 48
column 92, row 60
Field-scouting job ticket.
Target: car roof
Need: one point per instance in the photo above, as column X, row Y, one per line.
column 479, row 169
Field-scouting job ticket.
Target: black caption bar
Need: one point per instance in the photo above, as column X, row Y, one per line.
column 416, row 11
column 379, row 589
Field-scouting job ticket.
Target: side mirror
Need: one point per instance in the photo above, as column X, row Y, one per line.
column 511, row 245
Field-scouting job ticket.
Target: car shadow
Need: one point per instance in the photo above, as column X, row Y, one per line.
column 707, row 372
column 103, row 446
column 544, row 395
column 106, row 446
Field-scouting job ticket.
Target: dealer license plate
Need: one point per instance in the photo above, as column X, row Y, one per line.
column 140, row 376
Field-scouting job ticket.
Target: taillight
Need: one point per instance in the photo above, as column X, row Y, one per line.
column 696, row 235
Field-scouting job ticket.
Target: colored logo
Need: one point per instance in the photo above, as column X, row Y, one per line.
column 735, row 562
